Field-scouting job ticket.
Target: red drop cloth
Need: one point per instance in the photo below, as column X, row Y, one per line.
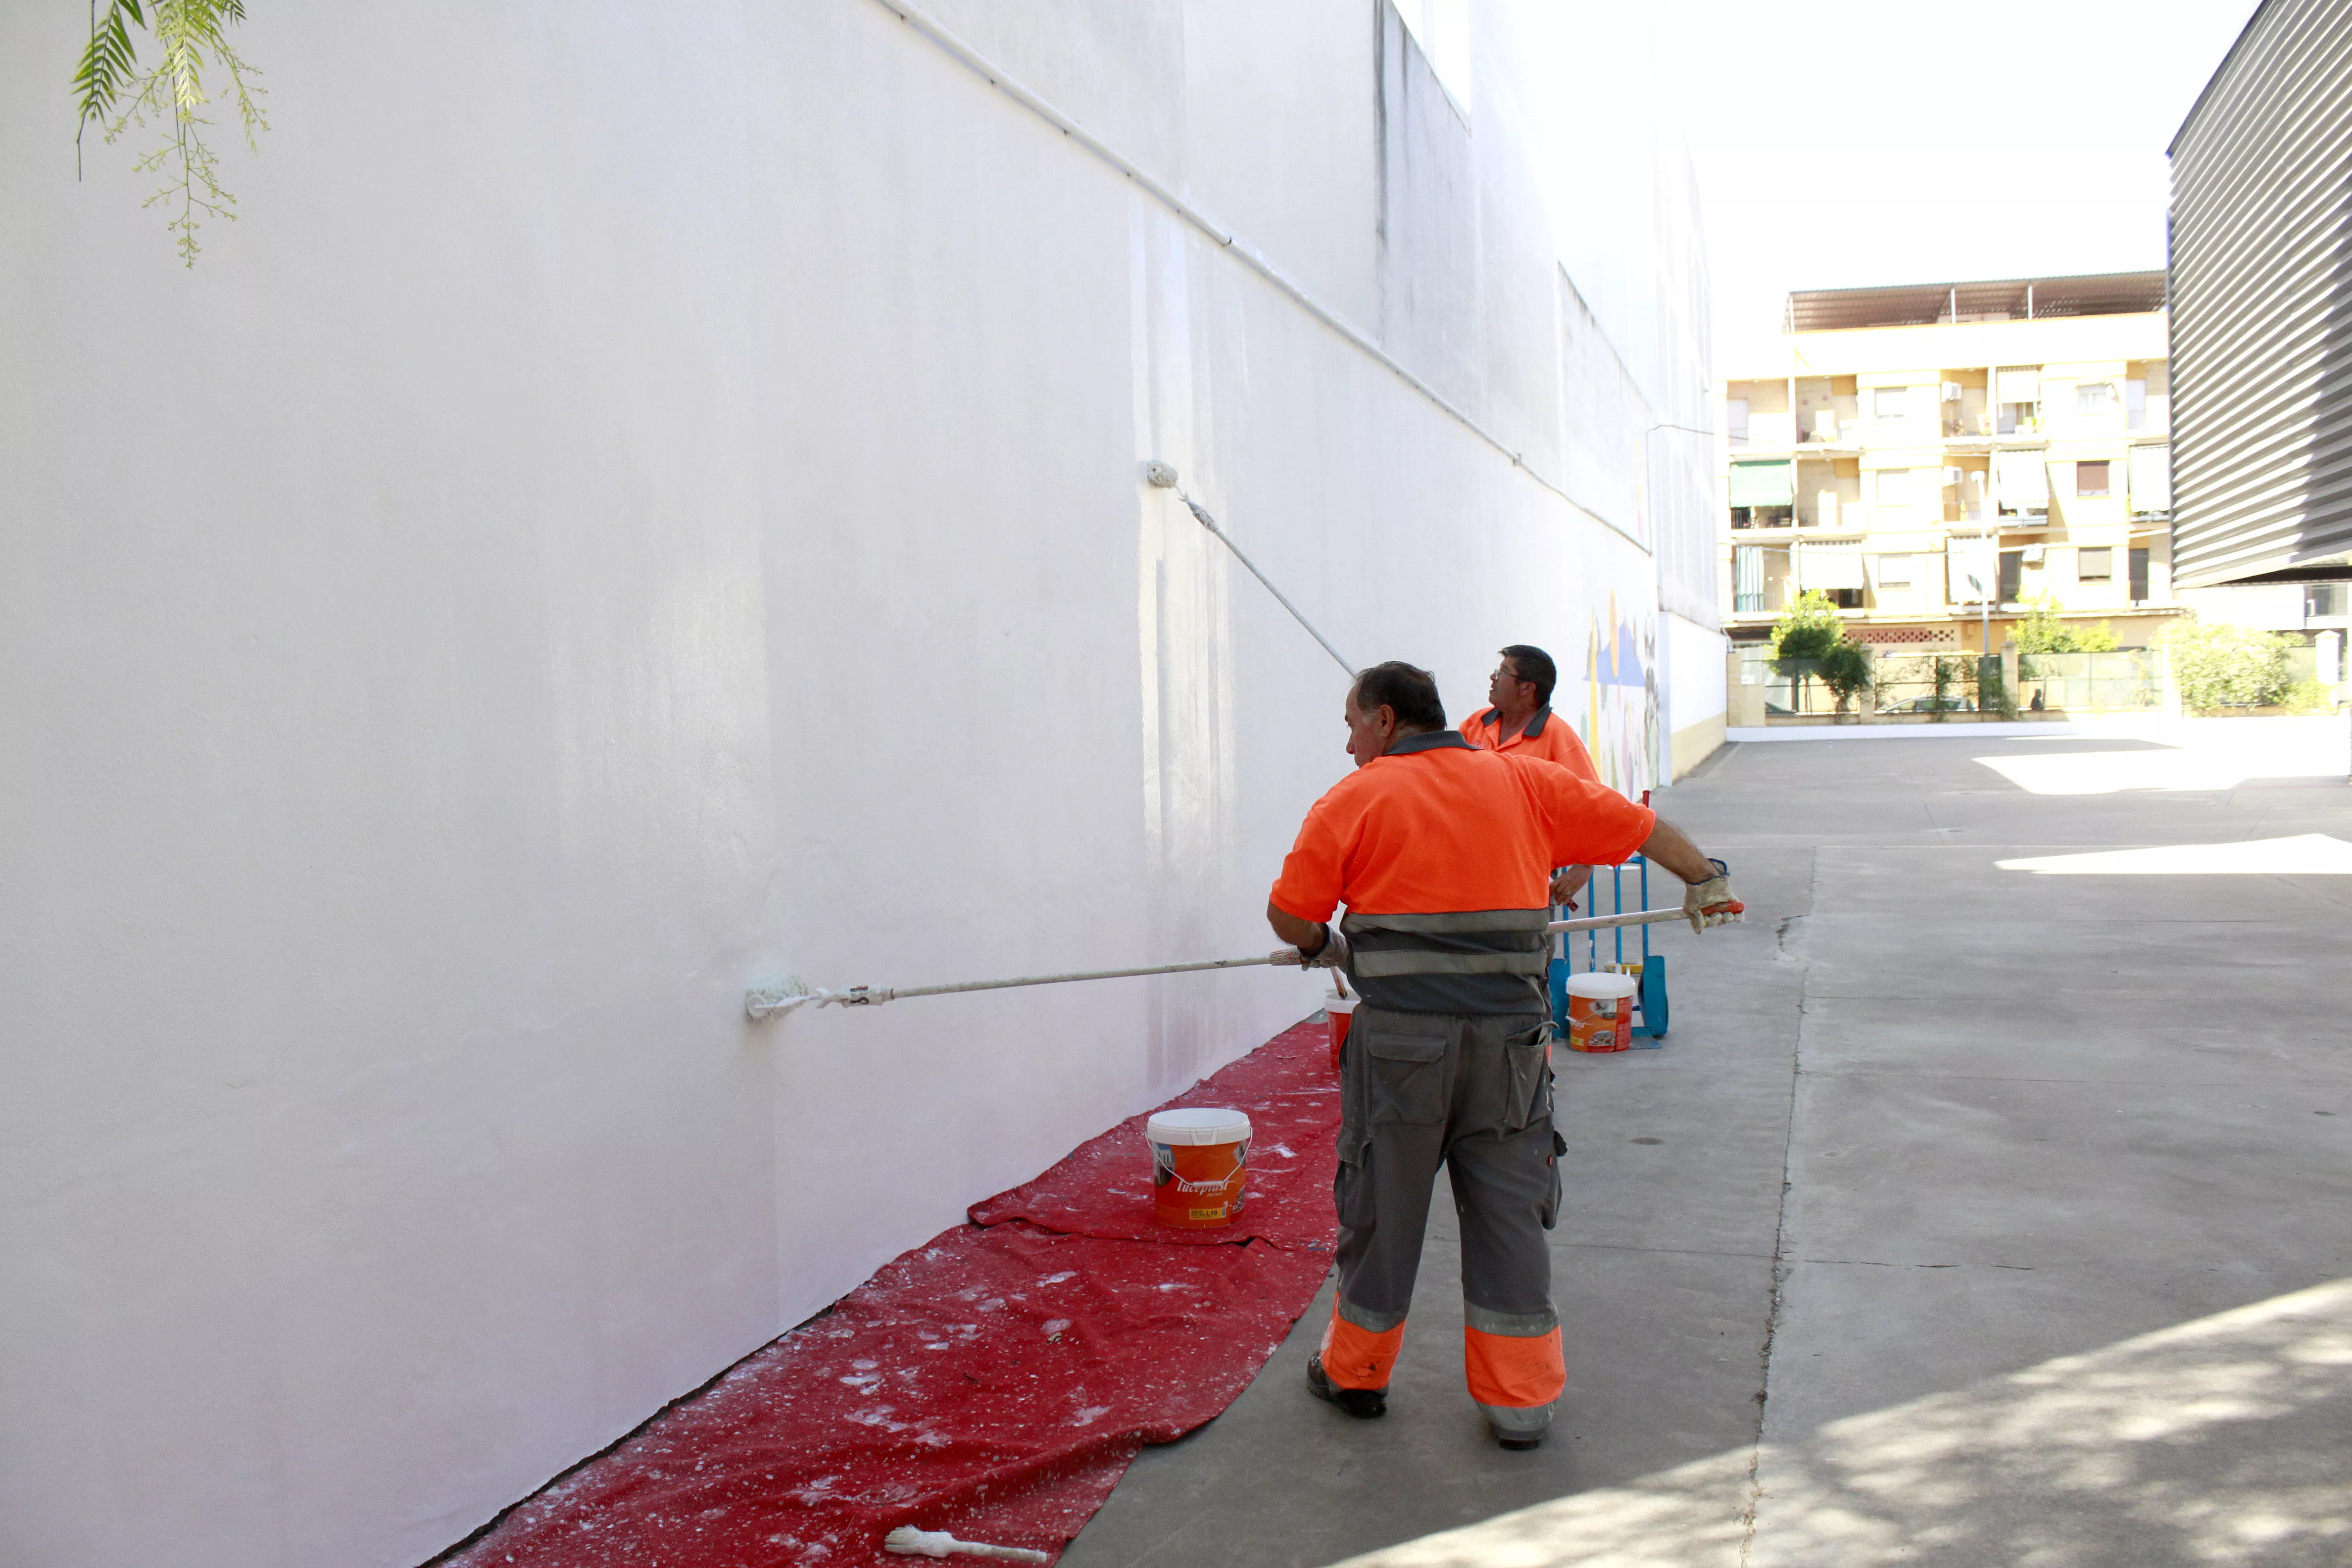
column 1103, row 1187
column 995, row 1383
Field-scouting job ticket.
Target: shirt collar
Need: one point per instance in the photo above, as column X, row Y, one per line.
column 1435, row 740
column 1493, row 717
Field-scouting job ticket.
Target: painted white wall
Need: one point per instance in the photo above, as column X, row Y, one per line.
column 2268, row 606
column 641, row 504
column 1695, row 673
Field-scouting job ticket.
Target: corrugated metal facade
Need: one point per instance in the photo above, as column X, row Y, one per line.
column 2262, row 303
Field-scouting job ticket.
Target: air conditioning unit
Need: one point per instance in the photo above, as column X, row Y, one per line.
column 1951, row 390
column 1954, row 476
column 2033, row 554
column 1825, row 425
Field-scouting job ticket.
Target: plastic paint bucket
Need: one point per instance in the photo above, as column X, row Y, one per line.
column 1342, row 1010
column 1199, row 1158
column 1600, row 1011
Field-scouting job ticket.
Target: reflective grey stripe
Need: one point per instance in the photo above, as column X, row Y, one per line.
column 1510, row 1325
column 1415, row 961
column 1518, row 1421
column 1463, row 921
column 1371, row 1323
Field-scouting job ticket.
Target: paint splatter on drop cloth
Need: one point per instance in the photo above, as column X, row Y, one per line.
column 1097, row 1337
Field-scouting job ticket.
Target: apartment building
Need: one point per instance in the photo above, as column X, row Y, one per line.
column 1935, row 455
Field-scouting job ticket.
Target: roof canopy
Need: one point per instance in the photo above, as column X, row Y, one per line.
column 1999, row 300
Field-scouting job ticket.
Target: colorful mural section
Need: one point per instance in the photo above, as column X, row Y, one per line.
column 1621, row 718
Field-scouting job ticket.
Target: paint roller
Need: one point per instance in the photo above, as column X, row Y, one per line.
column 786, row 995
column 909, row 1542
column 1161, row 476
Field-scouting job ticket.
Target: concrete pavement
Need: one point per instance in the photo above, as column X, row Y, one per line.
column 1972, row 1215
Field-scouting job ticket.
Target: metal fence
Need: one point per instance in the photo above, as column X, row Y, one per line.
column 1911, row 685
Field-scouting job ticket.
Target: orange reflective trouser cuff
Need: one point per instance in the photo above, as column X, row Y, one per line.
column 1513, row 1370
column 1355, row 1357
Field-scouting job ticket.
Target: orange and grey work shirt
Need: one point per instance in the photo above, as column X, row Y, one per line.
column 1442, row 854
column 1548, row 736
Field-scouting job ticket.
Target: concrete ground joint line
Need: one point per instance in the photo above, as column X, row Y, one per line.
column 1747, row 1519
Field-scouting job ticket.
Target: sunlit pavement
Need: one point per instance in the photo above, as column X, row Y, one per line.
column 1990, row 1203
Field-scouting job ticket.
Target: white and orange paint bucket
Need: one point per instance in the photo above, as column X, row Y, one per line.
column 1600, row 1011
column 1200, row 1160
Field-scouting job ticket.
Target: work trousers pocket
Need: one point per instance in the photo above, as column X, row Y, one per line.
column 1526, row 1060
column 1351, row 1183
column 1405, row 1075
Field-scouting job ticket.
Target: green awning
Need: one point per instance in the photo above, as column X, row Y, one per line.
column 1763, row 484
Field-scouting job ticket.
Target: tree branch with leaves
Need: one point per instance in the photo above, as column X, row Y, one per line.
column 115, row 95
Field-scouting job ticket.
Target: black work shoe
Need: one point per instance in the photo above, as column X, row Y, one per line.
column 1361, row 1403
column 1518, row 1445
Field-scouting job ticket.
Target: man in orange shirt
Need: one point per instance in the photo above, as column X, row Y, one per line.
column 1441, row 853
column 1520, row 721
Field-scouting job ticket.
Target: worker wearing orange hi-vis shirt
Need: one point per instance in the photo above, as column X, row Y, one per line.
column 1441, row 852
column 1519, row 720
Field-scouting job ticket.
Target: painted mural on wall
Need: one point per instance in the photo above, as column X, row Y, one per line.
column 1621, row 684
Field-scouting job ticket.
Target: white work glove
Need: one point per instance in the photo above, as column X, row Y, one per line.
column 1711, row 902
column 1333, row 954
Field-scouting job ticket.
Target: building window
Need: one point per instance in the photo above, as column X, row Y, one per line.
column 2322, row 601
column 1895, row 572
column 2090, row 479
column 2136, row 403
column 1889, row 405
column 1747, row 579
column 1735, row 421
column 2095, row 565
column 2139, row 575
column 1844, row 598
column 2095, row 397
column 1894, row 487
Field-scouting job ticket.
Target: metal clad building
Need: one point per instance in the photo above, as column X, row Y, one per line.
column 2261, row 277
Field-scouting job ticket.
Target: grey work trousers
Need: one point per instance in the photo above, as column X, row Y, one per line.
column 1474, row 1092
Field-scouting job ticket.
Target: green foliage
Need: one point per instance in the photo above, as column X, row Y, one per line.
column 2226, row 666
column 2308, row 696
column 1951, row 678
column 1846, row 671
column 2042, row 631
column 114, row 94
column 1808, row 628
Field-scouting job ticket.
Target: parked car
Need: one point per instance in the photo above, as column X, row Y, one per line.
column 1930, row 704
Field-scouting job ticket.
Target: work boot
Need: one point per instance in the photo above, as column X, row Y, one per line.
column 1361, row 1403
column 1519, row 1442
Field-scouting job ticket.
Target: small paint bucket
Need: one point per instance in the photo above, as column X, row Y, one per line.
column 1600, row 1011
column 1342, row 1011
column 1199, row 1159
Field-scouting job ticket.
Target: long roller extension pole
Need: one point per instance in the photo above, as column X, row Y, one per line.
column 767, row 1001
column 1603, row 922
column 1164, row 478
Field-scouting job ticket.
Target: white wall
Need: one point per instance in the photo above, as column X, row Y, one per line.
column 641, row 504
column 2269, row 606
column 1696, row 674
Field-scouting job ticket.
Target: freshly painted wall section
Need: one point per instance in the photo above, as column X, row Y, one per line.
column 646, row 503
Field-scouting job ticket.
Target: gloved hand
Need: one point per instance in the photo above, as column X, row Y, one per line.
column 1332, row 954
column 1711, row 903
